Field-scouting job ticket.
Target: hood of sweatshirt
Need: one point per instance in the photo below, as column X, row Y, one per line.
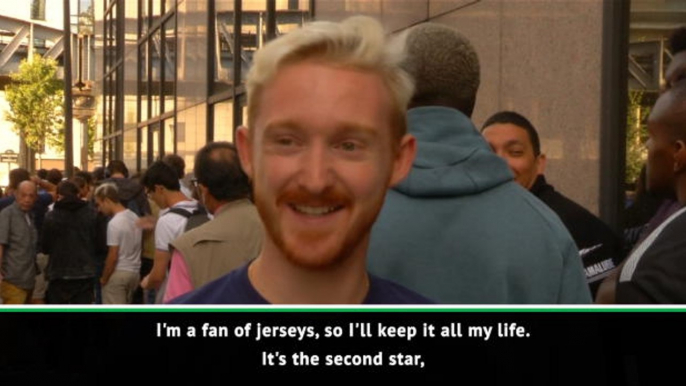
column 70, row 204
column 453, row 159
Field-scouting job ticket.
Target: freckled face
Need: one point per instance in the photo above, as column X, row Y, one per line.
column 321, row 155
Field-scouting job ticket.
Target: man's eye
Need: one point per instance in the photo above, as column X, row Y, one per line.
column 285, row 141
column 348, row 146
column 516, row 153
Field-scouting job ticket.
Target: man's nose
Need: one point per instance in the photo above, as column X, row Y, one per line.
column 316, row 169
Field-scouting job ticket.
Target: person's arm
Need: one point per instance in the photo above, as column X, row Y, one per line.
column 110, row 264
column 114, row 236
column 47, row 186
column 158, row 272
column 179, row 281
column 164, row 234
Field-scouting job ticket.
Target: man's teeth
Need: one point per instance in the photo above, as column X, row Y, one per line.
column 314, row 210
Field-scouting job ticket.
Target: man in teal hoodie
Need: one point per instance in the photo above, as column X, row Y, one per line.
column 459, row 229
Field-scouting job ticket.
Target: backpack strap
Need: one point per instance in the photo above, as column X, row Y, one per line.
column 180, row 212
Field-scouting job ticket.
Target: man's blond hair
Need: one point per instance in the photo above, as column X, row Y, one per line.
column 358, row 42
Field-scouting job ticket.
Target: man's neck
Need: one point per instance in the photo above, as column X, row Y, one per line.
column 117, row 175
column 174, row 197
column 118, row 208
column 215, row 206
column 280, row 281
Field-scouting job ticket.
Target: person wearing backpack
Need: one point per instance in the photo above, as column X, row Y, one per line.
column 162, row 185
column 232, row 238
column 131, row 193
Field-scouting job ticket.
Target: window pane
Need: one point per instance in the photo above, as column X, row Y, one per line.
column 155, row 140
column 168, row 126
column 170, row 63
column 38, row 10
column 190, row 131
column 223, row 75
column 223, row 121
column 144, row 147
column 143, row 71
column 130, row 144
column 156, row 58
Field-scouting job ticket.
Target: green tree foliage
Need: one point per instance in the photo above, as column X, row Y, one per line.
column 636, row 135
column 36, row 98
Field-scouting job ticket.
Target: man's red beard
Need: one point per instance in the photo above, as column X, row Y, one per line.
column 335, row 198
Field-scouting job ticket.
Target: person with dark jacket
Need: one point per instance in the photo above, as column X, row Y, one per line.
column 69, row 237
column 516, row 140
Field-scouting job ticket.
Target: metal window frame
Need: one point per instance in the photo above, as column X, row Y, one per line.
column 614, row 89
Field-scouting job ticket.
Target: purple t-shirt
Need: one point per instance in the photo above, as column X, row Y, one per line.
column 235, row 288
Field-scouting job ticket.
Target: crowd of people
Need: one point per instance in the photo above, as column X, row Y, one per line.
column 361, row 179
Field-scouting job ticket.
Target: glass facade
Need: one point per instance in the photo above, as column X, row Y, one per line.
column 173, row 72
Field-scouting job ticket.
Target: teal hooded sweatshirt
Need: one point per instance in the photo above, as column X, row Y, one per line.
column 459, row 230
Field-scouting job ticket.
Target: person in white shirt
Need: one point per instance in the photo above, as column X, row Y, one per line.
column 120, row 275
column 162, row 184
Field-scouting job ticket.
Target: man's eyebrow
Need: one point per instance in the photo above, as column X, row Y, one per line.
column 513, row 142
column 340, row 128
column 285, row 124
column 348, row 127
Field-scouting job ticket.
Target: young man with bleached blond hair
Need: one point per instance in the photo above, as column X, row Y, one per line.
column 326, row 138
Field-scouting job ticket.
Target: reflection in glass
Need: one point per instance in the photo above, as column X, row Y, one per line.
column 155, row 88
column 169, row 136
column 131, row 9
column 169, row 63
column 130, row 142
column 155, row 141
column 223, row 121
column 190, row 131
column 223, row 50
column 156, row 8
column 144, row 147
column 253, row 36
column 145, row 17
column 143, row 70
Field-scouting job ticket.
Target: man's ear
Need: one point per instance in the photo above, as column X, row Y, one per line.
column 679, row 156
column 403, row 159
column 540, row 167
column 243, row 144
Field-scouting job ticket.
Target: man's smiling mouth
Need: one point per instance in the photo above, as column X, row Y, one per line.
column 315, row 210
